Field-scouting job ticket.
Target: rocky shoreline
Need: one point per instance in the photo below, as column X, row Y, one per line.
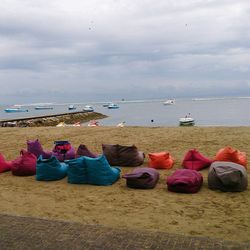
column 52, row 120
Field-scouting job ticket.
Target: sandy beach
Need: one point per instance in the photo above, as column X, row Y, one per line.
column 207, row 213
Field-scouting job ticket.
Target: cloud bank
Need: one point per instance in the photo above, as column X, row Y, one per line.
column 76, row 50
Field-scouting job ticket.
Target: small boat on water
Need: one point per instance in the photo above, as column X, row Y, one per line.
column 186, row 121
column 71, row 107
column 15, row 109
column 113, row 106
column 105, row 105
column 169, row 102
column 43, row 107
column 88, row 108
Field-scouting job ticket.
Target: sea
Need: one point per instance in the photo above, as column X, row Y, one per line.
column 223, row 111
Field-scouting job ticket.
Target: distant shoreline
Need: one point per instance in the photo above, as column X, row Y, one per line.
column 51, row 120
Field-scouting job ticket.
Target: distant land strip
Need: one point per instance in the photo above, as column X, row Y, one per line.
column 52, row 120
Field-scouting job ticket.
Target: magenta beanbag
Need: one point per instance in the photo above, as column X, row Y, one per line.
column 25, row 164
column 4, row 165
column 195, row 160
column 185, row 181
column 142, row 177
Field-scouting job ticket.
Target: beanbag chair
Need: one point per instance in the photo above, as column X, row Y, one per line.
column 36, row 148
column 77, row 171
column 63, row 151
column 118, row 155
column 195, row 160
column 100, row 172
column 143, row 178
column 227, row 177
column 84, row 151
column 160, row 160
column 4, row 165
column 50, row 169
column 185, row 181
column 232, row 155
column 24, row 165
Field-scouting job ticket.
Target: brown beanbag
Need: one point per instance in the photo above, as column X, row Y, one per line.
column 118, row 155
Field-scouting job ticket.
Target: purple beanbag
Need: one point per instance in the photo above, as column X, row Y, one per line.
column 36, row 148
column 185, row 181
column 143, row 178
column 84, row 151
column 63, row 151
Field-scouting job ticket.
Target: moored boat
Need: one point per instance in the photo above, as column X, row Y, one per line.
column 13, row 110
column 186, row 121
column 169, row 102
column 43, row 107
column 113, row 106
column 72, row 107
column 88, row 108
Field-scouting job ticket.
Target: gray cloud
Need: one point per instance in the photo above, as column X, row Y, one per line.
column 57, row 50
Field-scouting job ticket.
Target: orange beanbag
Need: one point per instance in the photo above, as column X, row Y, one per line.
column 160, row 160
column 232, row 155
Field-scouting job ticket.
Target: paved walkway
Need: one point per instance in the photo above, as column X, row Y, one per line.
column 33, row 233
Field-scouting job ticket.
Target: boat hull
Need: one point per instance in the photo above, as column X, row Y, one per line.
column 186, row 121
column 43, row 108
column 15, row 110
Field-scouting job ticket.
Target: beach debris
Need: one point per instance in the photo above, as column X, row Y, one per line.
column 121, row 124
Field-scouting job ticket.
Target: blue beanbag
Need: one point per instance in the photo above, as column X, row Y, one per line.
column 100, row 172
column 50, row 169
column 77, row 171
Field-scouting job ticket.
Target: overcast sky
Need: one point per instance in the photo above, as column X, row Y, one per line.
column 78, row 50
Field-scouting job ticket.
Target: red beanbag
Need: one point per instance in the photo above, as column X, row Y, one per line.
column 232, row 155
column 185, row 181
column 161, row 160
column 195, row 160
column 25, row 164
column 4, row 165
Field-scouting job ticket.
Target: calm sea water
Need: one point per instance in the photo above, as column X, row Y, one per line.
column 206, row 112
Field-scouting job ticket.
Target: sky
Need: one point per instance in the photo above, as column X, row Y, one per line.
column 101, row 50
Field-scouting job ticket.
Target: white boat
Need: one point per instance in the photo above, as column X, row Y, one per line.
column 13, row 110
column 71, row 107
column 43, row 107
column 186, row 121
column 113, row 106
column 169, row 102
column 88, row 108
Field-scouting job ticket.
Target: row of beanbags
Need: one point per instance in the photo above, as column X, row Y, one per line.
column 95, row 171
column 227, row 176
column 117, row 155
